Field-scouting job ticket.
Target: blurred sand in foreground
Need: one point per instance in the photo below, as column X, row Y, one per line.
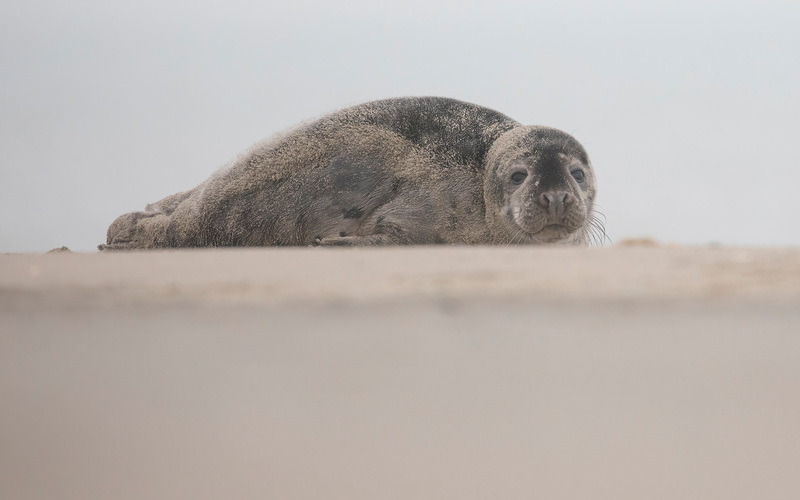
column 394, row 373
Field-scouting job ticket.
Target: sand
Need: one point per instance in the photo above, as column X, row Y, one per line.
column 622, row 373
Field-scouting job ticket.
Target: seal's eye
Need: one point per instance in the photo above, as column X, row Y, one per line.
column 518, row 177
column 579, row 175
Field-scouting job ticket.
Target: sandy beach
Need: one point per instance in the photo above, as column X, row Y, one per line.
column 621, row 373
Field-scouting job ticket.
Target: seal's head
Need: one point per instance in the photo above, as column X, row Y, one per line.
column 539, row 187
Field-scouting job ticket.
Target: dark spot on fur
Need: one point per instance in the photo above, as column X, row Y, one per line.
column 379, row 219
column 452, row 222
column 342, row 234
column 435, row 122
column 353, row 213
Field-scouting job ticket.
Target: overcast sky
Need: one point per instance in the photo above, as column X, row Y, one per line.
column 690, row 111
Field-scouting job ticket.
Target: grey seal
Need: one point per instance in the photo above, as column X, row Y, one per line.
column 413, row 170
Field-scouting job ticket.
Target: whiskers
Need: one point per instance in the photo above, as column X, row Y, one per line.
column 518, row 238
column 595, row 229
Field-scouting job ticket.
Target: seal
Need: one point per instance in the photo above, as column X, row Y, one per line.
column 414, row 170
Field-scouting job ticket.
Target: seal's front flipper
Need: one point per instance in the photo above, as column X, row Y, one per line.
column 357, row 241
column 107, row 247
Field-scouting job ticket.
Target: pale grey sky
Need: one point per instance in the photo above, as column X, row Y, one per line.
column 689, row 110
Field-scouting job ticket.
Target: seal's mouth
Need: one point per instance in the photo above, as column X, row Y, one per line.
column 537, row 229
column 550, row 228
column 550, row 233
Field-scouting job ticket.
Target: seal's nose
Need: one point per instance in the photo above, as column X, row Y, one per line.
column 555, row 203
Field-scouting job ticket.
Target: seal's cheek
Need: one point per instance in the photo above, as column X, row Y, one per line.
column 524, row 210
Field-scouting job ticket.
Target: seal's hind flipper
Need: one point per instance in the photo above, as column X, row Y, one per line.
column 136, row 230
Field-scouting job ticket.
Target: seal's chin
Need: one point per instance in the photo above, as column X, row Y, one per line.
column 536, row 229
column 551, row 233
